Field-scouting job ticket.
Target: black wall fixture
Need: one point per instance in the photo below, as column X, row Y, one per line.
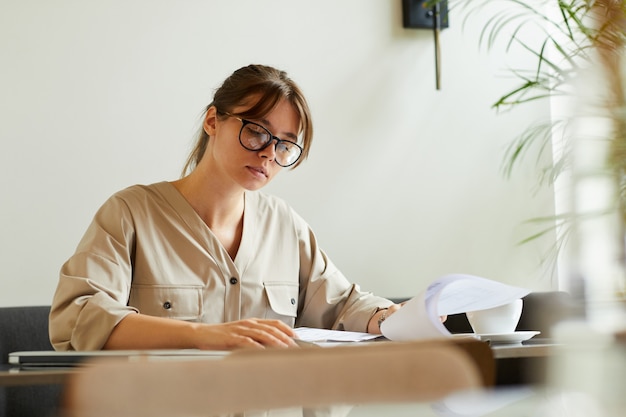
column 427, row 14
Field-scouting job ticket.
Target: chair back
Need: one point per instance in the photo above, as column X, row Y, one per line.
column 23, row 328
column 274, row 379
column 26, row 328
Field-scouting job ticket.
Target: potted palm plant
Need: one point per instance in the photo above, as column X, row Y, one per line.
column 570, row 40
column 578, row 57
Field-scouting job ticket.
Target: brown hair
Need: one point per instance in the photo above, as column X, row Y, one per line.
column 271, row 85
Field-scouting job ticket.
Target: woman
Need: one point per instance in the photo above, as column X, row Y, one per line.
column 206, row 261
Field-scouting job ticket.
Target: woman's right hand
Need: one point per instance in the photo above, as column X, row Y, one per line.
column 254, row 333
column 139, row 331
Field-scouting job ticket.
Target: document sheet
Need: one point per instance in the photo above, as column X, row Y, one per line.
column 420, row 317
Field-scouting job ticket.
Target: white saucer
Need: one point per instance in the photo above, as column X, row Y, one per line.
column 515, row 337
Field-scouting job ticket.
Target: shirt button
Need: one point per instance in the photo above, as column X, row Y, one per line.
column 233, row 280
column 167, row 305
column 293, row 301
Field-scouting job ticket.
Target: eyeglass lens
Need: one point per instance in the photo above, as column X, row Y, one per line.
column 255, row 137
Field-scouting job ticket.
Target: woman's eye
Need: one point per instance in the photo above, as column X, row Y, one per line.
column 282, row 148
column 256, row 130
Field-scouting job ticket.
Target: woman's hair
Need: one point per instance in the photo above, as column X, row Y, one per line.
column 271, row 86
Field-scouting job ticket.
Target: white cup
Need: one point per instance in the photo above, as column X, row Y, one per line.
column 501, row 319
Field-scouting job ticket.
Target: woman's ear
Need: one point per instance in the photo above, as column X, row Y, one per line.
column 210, row 120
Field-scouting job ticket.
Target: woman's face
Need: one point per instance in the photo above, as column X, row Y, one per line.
column 249, row 169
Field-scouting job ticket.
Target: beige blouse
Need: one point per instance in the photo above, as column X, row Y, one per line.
column 148, row 251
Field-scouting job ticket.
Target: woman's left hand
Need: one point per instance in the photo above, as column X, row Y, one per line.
column 373, row 325
column 382, row 315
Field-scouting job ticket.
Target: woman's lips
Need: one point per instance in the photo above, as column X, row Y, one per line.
column 258, row 171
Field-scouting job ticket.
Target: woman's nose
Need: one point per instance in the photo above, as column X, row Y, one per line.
column 270, row 150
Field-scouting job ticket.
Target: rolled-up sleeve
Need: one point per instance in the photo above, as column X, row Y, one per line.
column 327, row 298
column 94, row 284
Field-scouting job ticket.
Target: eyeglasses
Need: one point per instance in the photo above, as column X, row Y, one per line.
column 255, row 137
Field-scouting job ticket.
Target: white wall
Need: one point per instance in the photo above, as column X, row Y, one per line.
column 403, row 183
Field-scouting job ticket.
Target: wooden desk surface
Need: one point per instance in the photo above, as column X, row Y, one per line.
column 10, row 376
column 529, row 349
column 16, row 377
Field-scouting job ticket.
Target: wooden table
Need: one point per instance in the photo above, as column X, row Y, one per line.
column 16, row 377
column 535, row 350
column 525, row 363
column 531, row 349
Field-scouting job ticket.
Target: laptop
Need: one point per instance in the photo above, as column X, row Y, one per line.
column 51, row 359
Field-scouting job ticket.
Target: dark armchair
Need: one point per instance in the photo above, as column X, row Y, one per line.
column 26, row 328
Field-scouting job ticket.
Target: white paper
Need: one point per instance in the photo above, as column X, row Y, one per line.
column 313, row 335
column 474, row 403
column 419, row 318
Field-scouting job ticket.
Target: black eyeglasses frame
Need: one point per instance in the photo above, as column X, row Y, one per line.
column 245, row 122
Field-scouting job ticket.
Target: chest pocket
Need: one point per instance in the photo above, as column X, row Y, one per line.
column 282, row 297
column 171, row 301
